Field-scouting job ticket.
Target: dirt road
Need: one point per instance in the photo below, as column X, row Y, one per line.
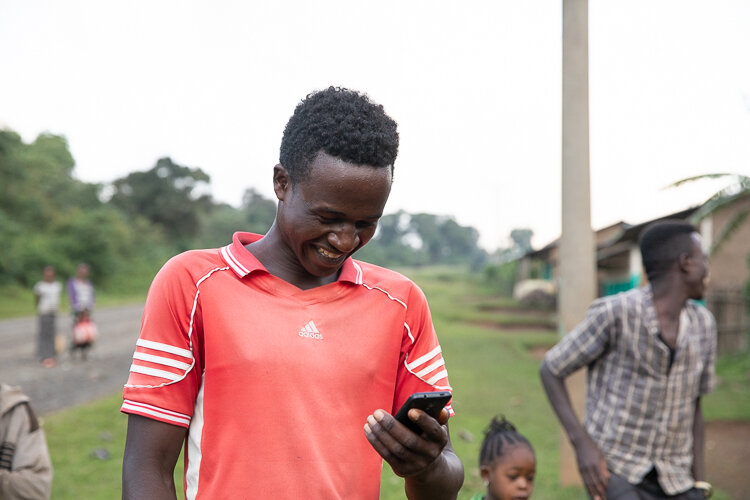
column 70, row 382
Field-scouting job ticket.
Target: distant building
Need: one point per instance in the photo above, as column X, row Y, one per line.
column 619, row 265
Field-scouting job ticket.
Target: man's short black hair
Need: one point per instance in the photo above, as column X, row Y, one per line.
column 341, row 123
column 662, row 243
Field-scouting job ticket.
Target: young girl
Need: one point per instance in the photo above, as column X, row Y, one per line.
column 506, row 462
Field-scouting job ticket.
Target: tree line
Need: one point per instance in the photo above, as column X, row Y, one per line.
column 125, row 230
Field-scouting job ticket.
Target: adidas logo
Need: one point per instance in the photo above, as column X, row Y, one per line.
column 310, row 331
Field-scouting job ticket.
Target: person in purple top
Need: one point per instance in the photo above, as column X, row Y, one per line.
column 81, row 292
column 82, row 298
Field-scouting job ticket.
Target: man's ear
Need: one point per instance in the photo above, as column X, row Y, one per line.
column 282, row 184
column 683, row 262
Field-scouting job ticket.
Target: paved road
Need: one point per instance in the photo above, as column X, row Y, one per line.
column 71, row 382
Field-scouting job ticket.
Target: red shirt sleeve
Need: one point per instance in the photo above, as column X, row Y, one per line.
column 421, row 364
column 165, row 376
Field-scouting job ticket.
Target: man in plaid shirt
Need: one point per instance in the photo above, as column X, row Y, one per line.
column 650, row 355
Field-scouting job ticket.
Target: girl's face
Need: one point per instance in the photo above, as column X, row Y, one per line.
column 511, row 476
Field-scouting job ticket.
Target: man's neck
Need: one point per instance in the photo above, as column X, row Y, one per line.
column 669, row 297
column 281, row 262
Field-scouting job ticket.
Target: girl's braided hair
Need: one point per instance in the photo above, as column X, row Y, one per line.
column 498, row 435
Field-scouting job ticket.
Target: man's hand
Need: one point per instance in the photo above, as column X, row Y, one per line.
column 593, row 468
column 407, row 453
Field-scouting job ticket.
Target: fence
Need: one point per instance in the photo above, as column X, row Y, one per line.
column 732, row 312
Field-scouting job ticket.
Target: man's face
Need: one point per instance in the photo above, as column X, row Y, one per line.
column 82, row 272
column 49, row 274
column 330, row 214
column 697, row 269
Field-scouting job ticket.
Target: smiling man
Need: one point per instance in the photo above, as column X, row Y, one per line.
column 267, row 357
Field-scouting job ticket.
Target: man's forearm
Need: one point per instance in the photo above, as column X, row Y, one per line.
column 151, row 452
column 559, row 399
column 147, row 482
column 441, row 480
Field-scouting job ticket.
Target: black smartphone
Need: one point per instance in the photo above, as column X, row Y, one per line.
column 429, row 402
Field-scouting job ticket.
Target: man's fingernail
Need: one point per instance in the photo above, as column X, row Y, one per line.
column 371, row 420
column 368, row 430
column 379, row 414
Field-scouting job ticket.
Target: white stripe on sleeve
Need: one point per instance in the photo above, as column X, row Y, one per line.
column 435, row 378
column 158, row 346
column 423, row 359
column 425, row 371
column 154, row 372
column 161, row 360
column 156, row 412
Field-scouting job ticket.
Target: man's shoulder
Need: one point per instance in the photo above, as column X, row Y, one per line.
column 194, row 263
column 375, row 276
column 701, row 311
column 609, row 308
column 626, row 299
column 374, row 272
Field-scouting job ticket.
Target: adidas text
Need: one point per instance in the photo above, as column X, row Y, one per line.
column 316, row 336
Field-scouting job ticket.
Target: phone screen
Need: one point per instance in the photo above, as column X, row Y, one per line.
column 429, row 402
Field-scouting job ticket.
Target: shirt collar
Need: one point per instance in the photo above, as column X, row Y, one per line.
column 651, row 318
column 351, row 271
column 242, row 262
column 238, row 257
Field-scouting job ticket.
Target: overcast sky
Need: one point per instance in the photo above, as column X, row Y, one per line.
column 475, row 87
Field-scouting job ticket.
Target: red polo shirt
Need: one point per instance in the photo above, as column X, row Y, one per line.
column 275, row 383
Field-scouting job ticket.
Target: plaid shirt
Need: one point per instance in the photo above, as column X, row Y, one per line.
column 639, row 410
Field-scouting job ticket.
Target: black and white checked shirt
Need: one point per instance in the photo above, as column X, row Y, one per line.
column 639, row 410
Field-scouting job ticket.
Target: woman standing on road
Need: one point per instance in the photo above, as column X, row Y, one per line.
column 47, row 296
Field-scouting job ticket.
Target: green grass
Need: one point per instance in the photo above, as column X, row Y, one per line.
column 74, row 436
column 16, row 301
column 86, row 446
column 491, row 371
column 731, row 399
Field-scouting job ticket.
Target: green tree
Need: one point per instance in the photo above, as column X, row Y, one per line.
column 423, row 239
column 521, row 239
column 49, row 217
column 218, row 225
column 445, row 240
column 169, row 195
column 256, row 214
column 259, row 211
column 37, row 183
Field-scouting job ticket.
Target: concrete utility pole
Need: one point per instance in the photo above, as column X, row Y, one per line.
column 577, row 259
